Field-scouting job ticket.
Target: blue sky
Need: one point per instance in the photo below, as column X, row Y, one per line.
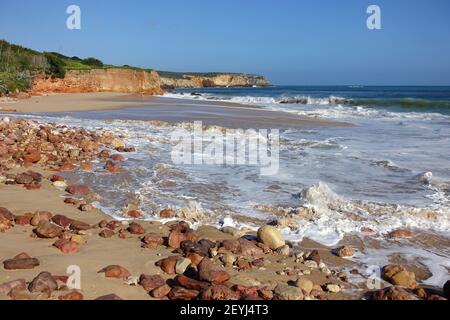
column 289, row 41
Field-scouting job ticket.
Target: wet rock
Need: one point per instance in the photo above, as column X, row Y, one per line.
column 189, row 283
column 151, row 282
column 136, row 228
column 271, row 237
column 168, row 264
column 66, row 246
column 285, row 292
column 167, row 213
column 7, row 287
column 113, row 225
column 113, row 167
column 78, row 189
column 40, row 216
column 345, row 251
column 106, row 233
column 67, row 167
column 152, row 240
column 398, row 275
column 116, row 271
column 48, row 230
column 400, row 233
column 86, row 167
column 161, row 292
column 55, row 178
column 393, row 293
column 44, row 282
column 72, row 296
column 21, row 262
column 134, row 214
column 117, row 157
column 218, row 293
column 179, row 293
column 207, row 271
column 305, row 284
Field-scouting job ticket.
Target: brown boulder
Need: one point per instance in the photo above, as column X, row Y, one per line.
column 32, row 157
column 168, row 264
column 66, row 246
column 7, row 287
column 73, row 296
column 398, row 275
column 393, row 293
column 178, row 293
column 161, row 292
column 190, row 283
column 208, row 272
column 345, row 251
column 40, row 216
column 151, row 282
column 21, row 262
column 176, row 237
column 5, row 213
column 44, row 282
column 314, row 256
column 48, row 230
column 136, row 228
column 23, row 220
column 62, row 221
column 152, row 240
column 110, row 297
column 106, row 233
column 115, row 271
column 134, row 213
column 167, row 213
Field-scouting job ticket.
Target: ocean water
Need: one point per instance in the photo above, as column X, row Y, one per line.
column 390, row 170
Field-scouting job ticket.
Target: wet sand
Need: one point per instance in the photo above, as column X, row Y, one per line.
column 137, row 107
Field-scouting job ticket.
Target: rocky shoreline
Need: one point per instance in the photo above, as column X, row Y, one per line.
column 49, row 222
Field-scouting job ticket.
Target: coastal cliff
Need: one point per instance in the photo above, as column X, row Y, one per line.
column 100, row 80
column 171, row 80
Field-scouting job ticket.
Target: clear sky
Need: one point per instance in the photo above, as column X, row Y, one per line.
column 289, row 41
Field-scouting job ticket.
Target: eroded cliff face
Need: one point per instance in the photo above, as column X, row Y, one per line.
column 222, row 80
column 101, row 80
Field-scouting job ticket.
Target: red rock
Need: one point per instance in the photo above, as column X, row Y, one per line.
column 151, row 282
column 161, row 292
column 248, row 248
column 398, row 275
column 243, row 265
column 180, row 226
column 190, row 283
column 40, row 216
column 79, row 226
column 7, row 287
column 167, row 213
column 32, row 157
column 104, row 154
column 5, row 213
column 113, row 225
column 176, row 237
column 218, row 292
column 208, row 272
column 107, row 233
column 134, row 214
column 233, row 246
column 168, row 264
column 23, row 178
column 5, row 224
column 71, row 201
column 112, row 167
column 367, row 230
column 178, row 293
column 400, row 233
column 195, row 259
column 115, row 271
column 393, row 293
column 20, row 263
column 73, row 296
column 66, row 246
column 23, row 220
column 62, row 221
column 136, row 228
column 245, row 291
column 32, row 186
column 117, row 157
column 44, row 282
column 259, row 263
column 48, row 230
column 152, row 240
column 78, row 189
